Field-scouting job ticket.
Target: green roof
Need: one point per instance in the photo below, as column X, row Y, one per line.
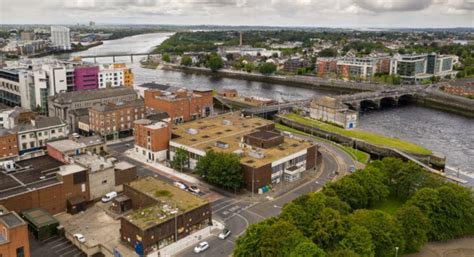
column 39, row 217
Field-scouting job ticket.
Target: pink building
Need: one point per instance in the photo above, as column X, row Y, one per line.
column 86, row 77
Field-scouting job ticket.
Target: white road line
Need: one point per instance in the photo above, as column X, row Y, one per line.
column 73, row 250
column 59, row 244
column 56, row 240
column 233, row 202
column 223, row 202
column 246, row 224
column 64, row 248
column 51, row 238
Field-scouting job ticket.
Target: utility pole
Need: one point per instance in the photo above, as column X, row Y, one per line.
column 253, row 180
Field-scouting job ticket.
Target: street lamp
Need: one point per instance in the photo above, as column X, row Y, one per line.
column 396, row 251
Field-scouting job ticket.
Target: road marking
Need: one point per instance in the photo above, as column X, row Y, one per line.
column 73, row 250
column 52, row 242
column 223, row 202
column 51, row 238
column 65, row 242
column 232, row 202
column 246, row 224
column 64, row 248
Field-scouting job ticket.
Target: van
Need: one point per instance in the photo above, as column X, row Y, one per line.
column 109, row 196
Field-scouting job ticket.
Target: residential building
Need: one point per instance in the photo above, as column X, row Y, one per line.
column 246, row 51
column 11, row 117
column 86, row 78
column 13, row 234
column 128, row 77
column 114, row 120
column 293, row 64
column 8, row 144
column 417, row 67
column 33, row 135
column 152, row 137
column 329, row 109
column 181, row 104
column 352, row 67
column 60, row 105
column 61, row 38
column 27, row 35
column 14, row 87
column 267, row 157
column 326, row 66
column 62, row 149
column 175, row 213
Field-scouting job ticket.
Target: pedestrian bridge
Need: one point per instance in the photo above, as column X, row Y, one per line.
column 113, row 56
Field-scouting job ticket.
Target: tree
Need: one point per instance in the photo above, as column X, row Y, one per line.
column 222, row 169
column 328, row 228
column 343, row 253
column 249, row 244
column 166, row 58
column 349, row 190
column 180, row 159
column 328, row 52
column 275, row 243
column 374, row 182
column 404, row 178
column 414, row 227
column 359, row 240
column 383, row 228
column 307, row 249
column 215, row 62
column 186, row 61
column 267, row 68
column 249, row 67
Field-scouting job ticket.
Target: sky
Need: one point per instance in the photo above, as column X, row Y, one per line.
column 311, row 13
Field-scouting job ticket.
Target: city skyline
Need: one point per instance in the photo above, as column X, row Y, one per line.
column 307, row 13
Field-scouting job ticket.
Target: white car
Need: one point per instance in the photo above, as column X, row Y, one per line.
column 194, row 189
column 224, row 234
column 201, row 247
column 109, row 196
column 80, row 238
column 181, row 185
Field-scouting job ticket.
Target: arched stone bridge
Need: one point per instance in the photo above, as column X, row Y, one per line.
column 376, row 99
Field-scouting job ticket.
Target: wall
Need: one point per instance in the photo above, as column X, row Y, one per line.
column 8, row 146
column 18, row 237
column 125, row 176
column 86, row 78
column 96, row 179
column 261, row 176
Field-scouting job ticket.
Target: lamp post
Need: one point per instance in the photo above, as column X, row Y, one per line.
column 396, row 251
column 253, row 180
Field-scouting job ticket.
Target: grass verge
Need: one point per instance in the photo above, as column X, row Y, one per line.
column 369, row 137
column 390, row 205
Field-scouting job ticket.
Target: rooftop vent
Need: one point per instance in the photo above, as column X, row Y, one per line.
column 192, row 131
column 226, row 122
column 205, row 136
column 256, row 154
column 221, row 144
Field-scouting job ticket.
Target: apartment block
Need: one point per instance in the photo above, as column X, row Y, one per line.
column 8, row 145
column 181, row 104
column 152, row 137
column 86, row 78
column 61, row 38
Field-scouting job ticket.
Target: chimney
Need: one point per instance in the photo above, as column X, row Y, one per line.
column 241, row 39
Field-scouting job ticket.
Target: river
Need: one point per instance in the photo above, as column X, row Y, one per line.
column 450, row 134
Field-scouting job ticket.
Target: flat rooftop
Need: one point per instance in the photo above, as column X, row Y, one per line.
column 93, row 161
column 67, row 145
column 170, row 202
column 228, row 130
column 29, row 175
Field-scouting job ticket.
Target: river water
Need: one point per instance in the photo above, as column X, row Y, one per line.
column 450, row 134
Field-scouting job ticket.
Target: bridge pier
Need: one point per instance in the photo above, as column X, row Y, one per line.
column 95, row 60
column 131, row 58
column 113, row 58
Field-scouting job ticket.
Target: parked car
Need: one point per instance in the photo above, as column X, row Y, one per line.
column 181, row 185
column 224, row 234
column 80, row 238
column 201, row 247
column 352, row 168
column 109, row 196
column 194, row 189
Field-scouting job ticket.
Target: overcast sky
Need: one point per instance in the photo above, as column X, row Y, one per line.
column 327, row 13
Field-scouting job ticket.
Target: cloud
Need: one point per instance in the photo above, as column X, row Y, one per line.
column 394, row 5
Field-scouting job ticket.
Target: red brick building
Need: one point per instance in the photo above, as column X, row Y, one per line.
column 325, row 66
column 13, row 234
column 8, row 144
column 152, row 138
column 180, row 104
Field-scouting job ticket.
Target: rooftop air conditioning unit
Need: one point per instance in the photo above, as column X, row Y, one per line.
column 192, row 131
column 226, row 122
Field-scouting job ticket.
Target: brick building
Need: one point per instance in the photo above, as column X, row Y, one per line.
column 60, row 149
column 115, row 120
column 267, row 157
column 13, row 234
column 152, row 138
column 181, row 104
column 8, row 144
column 175, row 213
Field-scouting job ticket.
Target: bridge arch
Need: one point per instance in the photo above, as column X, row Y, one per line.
column 369, row 105
column 406, row 99
column 388, row 102
column 353, row 106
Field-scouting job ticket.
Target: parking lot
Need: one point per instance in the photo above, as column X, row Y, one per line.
column 54, row 247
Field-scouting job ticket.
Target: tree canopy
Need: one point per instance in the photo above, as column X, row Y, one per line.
column 222, row 169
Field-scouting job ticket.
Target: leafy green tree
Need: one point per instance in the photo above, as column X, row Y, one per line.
column 404, row 178
column 349, row 190
column 359, row 240
column 328, row 228
column 166, row 58
column 307, row 249
column 186, row 60
column 180, row 159
column 222, row 169
column 249, row 244
column 343, row 253
column 374, row 182
column 280, row 239
column 383, row 228
column 267, row 68
column 249, row 67
column 328, row 52
column 215, row 62
column 414, row 226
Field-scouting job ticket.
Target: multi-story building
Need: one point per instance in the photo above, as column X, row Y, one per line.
column 266, row 156
column 152, row 136
column 27, row 35
column 175, row 214
column 353, row 67
column 114, row 120
column 180, row 104
column 86, row 78
column 417, row 67
column 61, row 38
column 34, row 134
column 293, row 64
column 128, row 77
column 60, row 105
column 8, row 144
column 62, row 149
column 13, row 234
column 11, row 117
column 332, row 110
column 14, row 87
column 109, row 76
column 326, row 66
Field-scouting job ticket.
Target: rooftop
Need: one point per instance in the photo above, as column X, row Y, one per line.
column 92, row 161
column 39, row 217
column 11, row 219
column 87, row 95
column 29, row 175
column 117, row 106
column 123, row 165
column 40, row 122
column 70, row 169
column 68, row 145
column 227, row 130
column 170, row 201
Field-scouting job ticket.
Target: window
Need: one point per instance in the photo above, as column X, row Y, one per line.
column 20, row 252
column 104, row 181
column 32, row 144
column 23, row 136
column 60, row 130
column 53, row 131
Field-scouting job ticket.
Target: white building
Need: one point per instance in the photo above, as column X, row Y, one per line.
column 14, row 87
column 331, row 110
column 9, row 117
column 37, row 132
column 109, row 76
column 60, row 37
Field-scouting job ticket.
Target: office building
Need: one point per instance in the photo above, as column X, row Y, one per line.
column 86, row 78
column 418, row 67
column 61, row 38
column 14, row 87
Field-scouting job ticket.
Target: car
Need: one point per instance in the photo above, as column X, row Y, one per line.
column 109, row 196
column 76, row 135
column 194, row 189
column 352, row 168
column 80, row 238
column 224, row 234
column 181, row 185
column 201, row 247
column 127, row 145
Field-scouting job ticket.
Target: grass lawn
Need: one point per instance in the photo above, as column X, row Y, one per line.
column 357, row 155
column 391, row 205
column 366, row 136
